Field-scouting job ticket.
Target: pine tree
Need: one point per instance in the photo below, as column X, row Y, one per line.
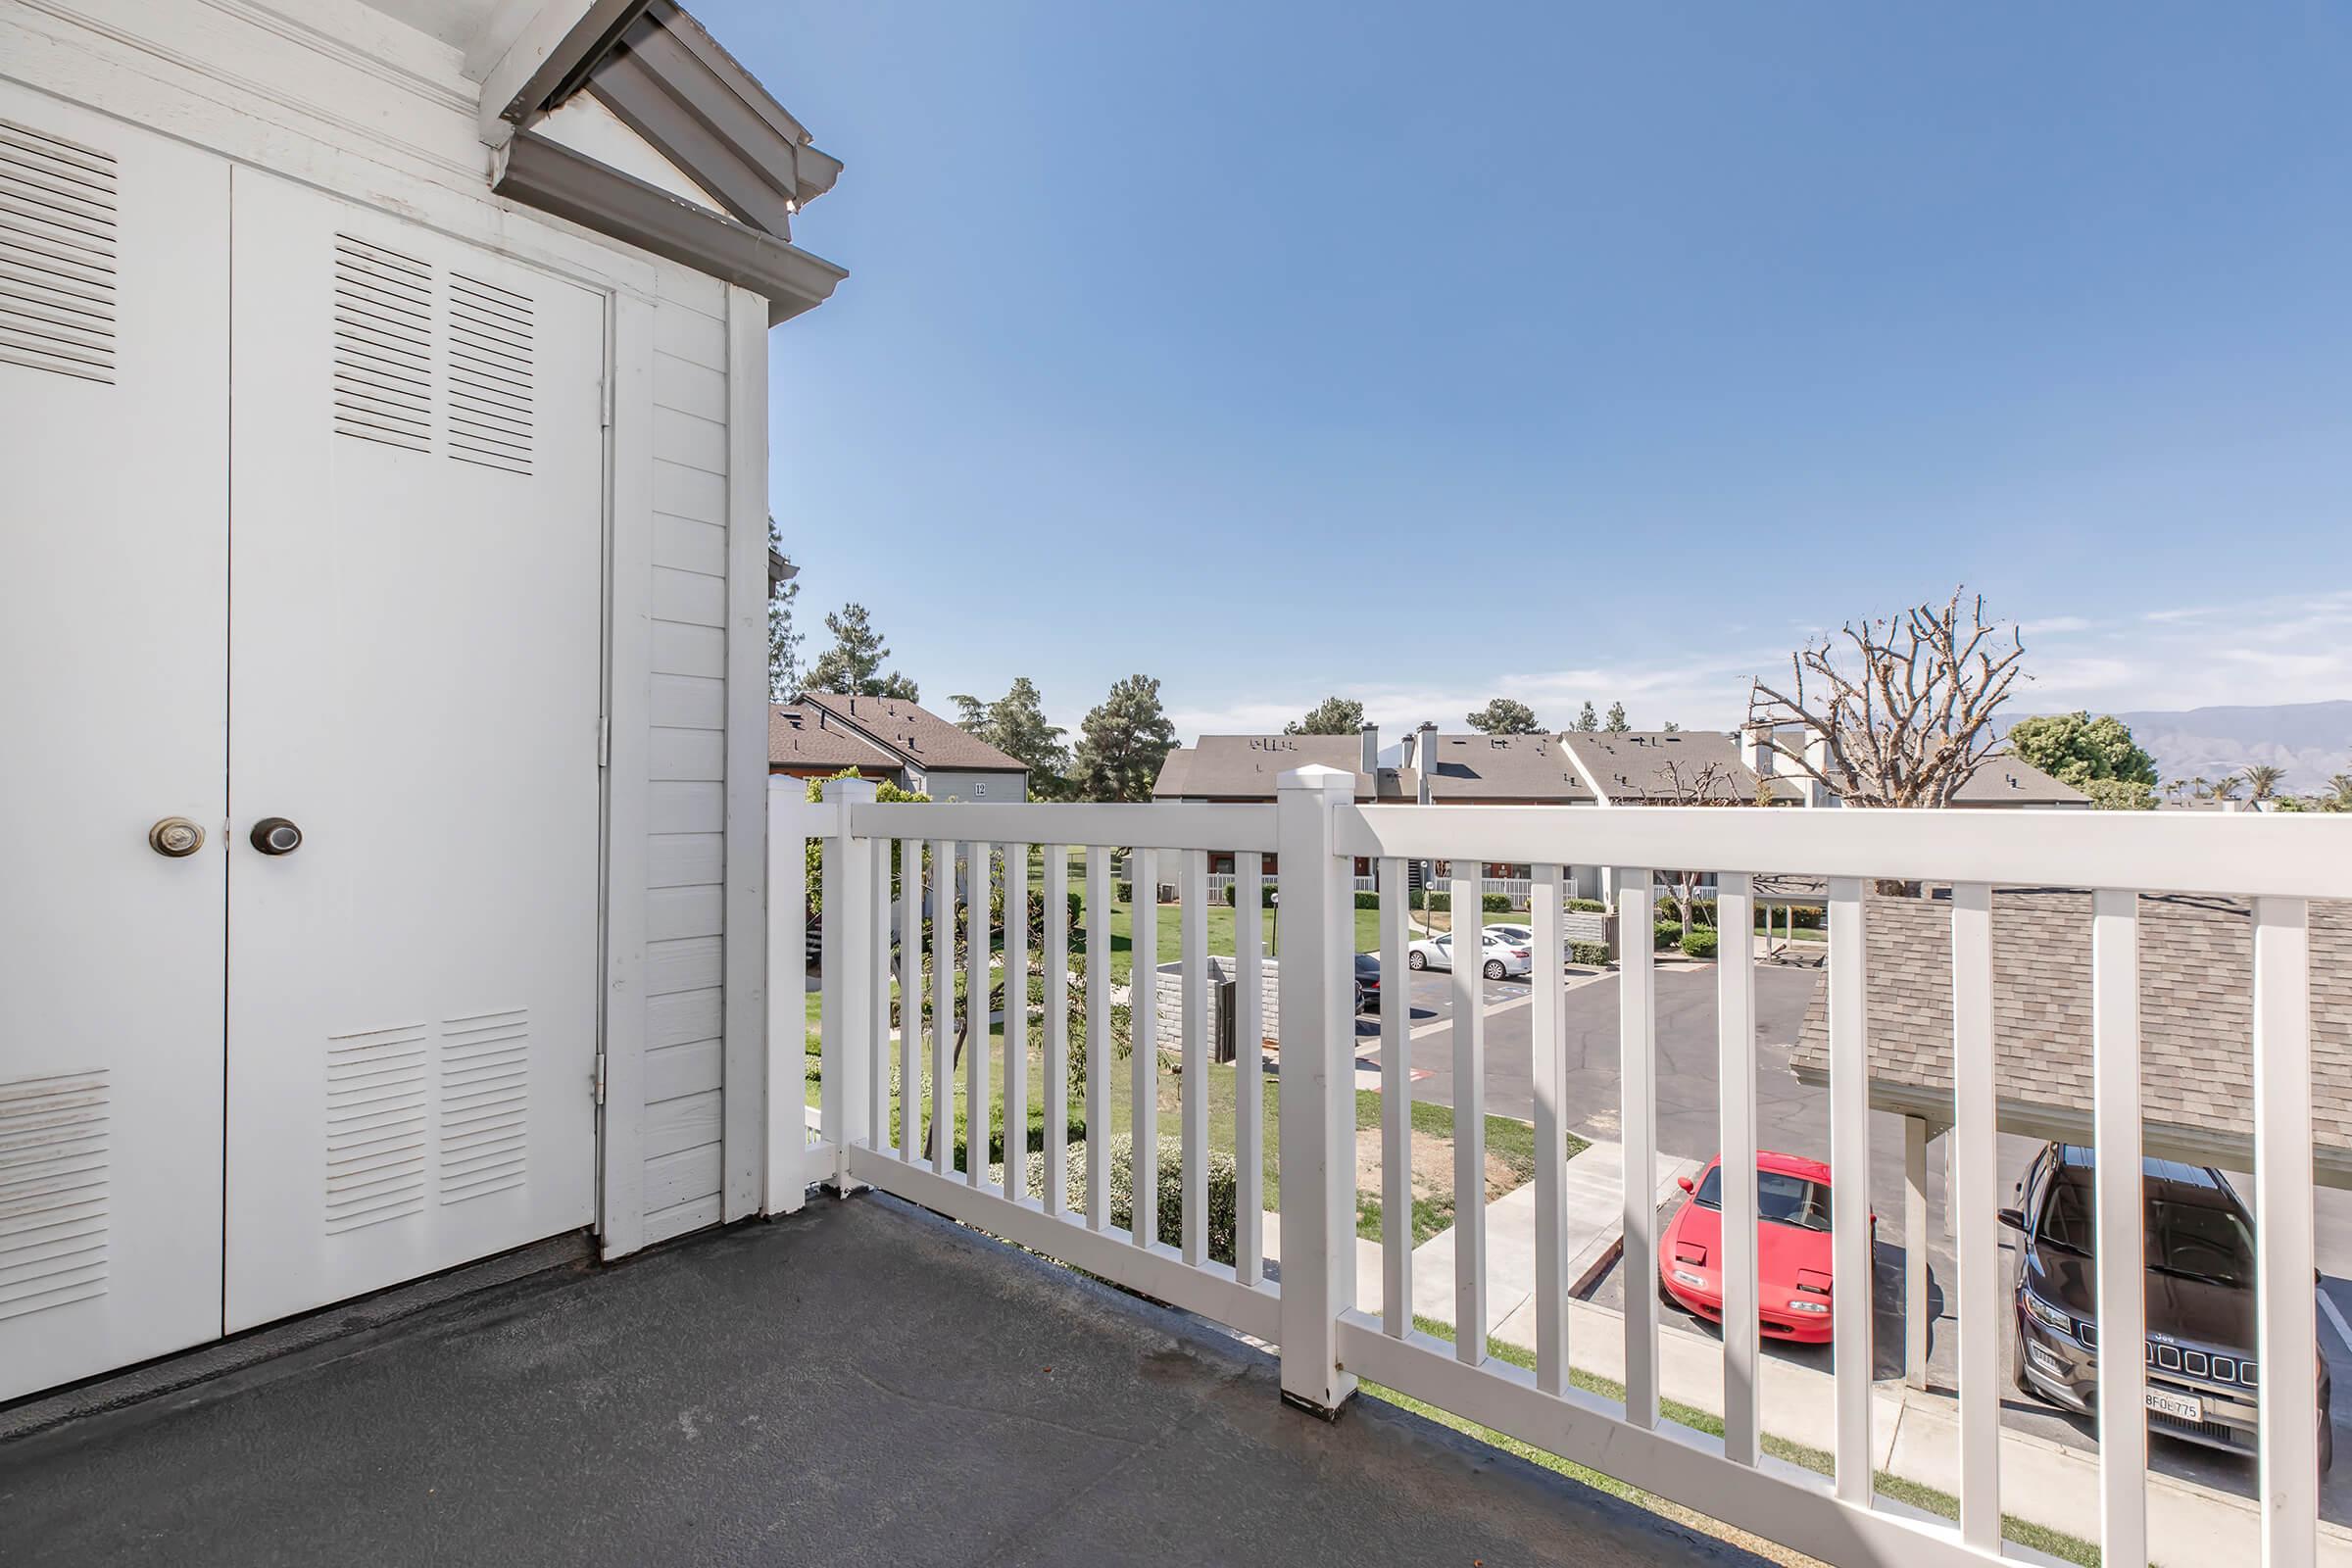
column 1617, row 725
column 783, row 638
column 1015, row 724
column 1122, row 742
column 1334, row 716
column 853, row 665
column 1589, row 722
column 1504, row 717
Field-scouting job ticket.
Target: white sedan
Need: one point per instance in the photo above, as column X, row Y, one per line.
column 1502, row 956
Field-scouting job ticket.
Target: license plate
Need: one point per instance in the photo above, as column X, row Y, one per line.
column 2180, row 1406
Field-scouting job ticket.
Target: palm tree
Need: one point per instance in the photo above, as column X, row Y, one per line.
column 2225, row 788
column 2264, row 779
column 2174, row 787
column 2340, row 786
column 2198, row 786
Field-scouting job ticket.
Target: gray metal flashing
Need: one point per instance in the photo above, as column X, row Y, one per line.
column 708, row 88
column 542, row 173
column 702, row 135
column 567, row 63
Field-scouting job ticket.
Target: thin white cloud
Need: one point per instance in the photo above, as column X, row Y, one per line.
column 2279, row 650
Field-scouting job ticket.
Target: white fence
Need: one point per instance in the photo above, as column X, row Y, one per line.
column 1327, row 1342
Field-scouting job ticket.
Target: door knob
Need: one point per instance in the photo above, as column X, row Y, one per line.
column 274, row 835
column 176, row 836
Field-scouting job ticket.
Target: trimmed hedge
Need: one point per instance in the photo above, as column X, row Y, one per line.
column 1596, row 954
column 1669, row 934
column 1700, row 943
column 1367, row 901
column 1587, row 907
column 1265, row 894
column 1490, row 902
column 1224, row 1188
column 1122, row 892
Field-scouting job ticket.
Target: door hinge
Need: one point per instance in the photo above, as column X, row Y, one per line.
column 599, row 1085
column 604, row 740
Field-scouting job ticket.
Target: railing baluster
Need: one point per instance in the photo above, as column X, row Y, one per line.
column 1395, row 1104
column 910, row 999
column 1851, row 1268
column 1548, row 1027
column 2286, row 1326
column 1058, row 1026
column 1016, row 1022
column 787, row 997
column 1637, row 1123
column 1098, row 1037
column 943, row 1006
column 2120, row 1298
column 1194, row 918
column 1469, row 1123
column 1249, row 1067
column 835, row 943
column 1143, row 996
column 1973, row 1199
column 1735, row 1078
column 877, row 1117
column 975, row 1014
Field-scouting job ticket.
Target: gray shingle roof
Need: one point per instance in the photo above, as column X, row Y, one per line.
column 800, row 735
column 1491, row 769
column 2003, row 780
column 1644, row 766
column 920, row 737
column 1245, row 767
column 2197, row 1018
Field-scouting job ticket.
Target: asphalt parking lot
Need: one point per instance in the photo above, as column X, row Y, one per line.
column 1793, row 1118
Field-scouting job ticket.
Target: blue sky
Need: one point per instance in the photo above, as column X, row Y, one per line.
column 1427, row 355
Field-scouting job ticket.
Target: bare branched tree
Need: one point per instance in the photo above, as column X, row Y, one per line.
column 1894, row 712
column 1710, row 785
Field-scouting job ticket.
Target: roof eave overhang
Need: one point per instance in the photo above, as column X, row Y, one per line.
column 2195, row 1146
column 554, row 179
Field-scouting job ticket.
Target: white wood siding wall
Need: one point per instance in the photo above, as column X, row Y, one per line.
column 686, row 755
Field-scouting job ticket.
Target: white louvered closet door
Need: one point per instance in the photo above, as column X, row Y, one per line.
column 114, row 266
column 415, row 555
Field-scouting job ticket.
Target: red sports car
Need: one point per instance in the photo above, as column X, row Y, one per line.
column 1792, row 1247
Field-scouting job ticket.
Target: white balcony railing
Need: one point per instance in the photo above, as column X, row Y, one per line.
column 1326, row 1341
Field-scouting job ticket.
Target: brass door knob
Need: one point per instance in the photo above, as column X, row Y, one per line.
column 274, row 835
column 176, row 836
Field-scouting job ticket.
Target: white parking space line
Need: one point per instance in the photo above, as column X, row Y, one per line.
column 2343, row 1330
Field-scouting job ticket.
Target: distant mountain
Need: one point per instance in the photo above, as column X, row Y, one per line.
column 2310, row 740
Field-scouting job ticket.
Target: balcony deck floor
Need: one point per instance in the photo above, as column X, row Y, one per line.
column 860, row 1383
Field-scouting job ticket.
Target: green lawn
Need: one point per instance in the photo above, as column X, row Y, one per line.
column 1926, row 1498
column 1511, row 1143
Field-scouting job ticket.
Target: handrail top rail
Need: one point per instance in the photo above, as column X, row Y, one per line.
column 2234, row 854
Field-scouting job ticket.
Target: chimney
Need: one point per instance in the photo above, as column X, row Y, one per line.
column 1371, row 738
column 1422, row 746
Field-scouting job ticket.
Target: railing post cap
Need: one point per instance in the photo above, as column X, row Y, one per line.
column 851, row 789
column 1315, row 776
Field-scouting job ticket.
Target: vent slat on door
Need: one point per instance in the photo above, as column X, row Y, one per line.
column 383, row 346
column 57, row 255
column 485, row 1102
column 490, row 349
column 376, row 1125
column 54, row 1174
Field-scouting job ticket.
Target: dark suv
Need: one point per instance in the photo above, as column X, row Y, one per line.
column 2200, row 1299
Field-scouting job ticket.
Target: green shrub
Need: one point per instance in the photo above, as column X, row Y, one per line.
column 1495, row 903
column 1122, row 892
column 1224, row 1188
column 1669, row 933
column 1700, row 943
column 1367, row 901
column 1432, row 902
column 1596, row 954
column 1587, row 907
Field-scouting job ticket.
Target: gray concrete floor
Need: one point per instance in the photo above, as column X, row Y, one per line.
column 861, row 1383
